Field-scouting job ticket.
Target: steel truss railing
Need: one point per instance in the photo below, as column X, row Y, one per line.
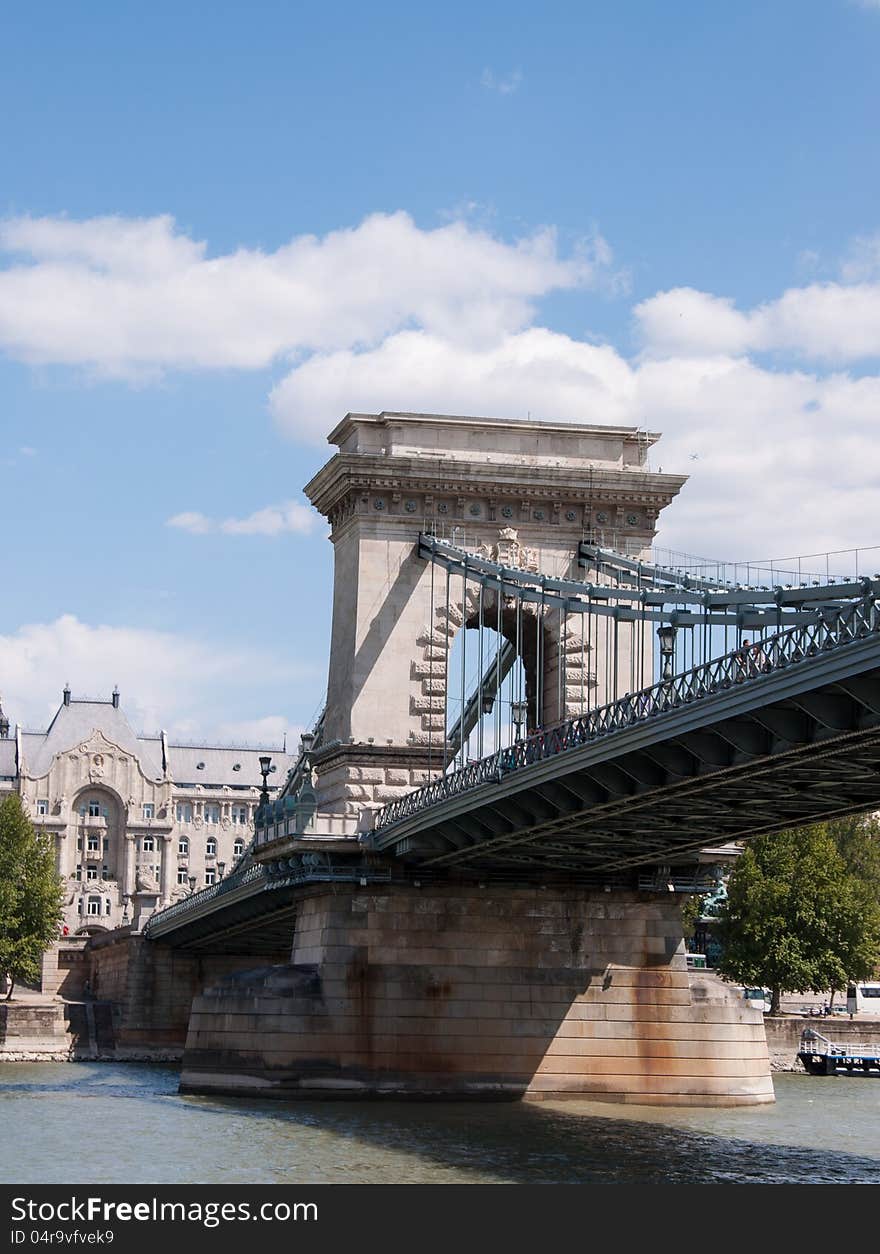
column 645, row 593
column 743, row 665
column 639, row 573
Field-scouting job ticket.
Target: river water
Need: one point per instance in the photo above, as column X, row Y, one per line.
column 107, row 1123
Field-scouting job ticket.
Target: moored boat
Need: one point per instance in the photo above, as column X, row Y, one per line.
column 821, row 1056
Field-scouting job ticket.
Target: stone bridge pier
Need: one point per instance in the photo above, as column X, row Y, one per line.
column 486, row 992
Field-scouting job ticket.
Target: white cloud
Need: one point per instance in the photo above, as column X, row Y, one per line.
column 166, row 679
column 127, row 296
column 504, row 84
column 388, row 316
column 536, row 370
column 193, row 522
column 271, row 521
column 823, row 322
column 271, row 730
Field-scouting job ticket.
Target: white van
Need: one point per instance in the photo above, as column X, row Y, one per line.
column 758, row 998
column 863, row 998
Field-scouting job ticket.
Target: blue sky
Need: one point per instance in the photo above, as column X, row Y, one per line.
column 223, row 227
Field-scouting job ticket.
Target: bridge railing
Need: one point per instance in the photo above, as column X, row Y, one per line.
column 746, row 664
column 206, row 895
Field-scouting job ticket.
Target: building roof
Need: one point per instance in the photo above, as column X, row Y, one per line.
column 239, row 767
column 8, row 764
column 76, row 721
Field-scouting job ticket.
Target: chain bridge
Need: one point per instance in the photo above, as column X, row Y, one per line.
column 537, row 736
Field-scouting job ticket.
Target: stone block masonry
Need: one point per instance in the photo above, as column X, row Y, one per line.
column 461, row 991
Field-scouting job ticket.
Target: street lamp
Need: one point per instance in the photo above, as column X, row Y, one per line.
column 487, row 702
column 519, row 712
column 265, row 763
column 192, row 885
column 221, row 867
column 666, row 638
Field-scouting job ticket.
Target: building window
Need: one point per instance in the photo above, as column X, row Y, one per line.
column 79, row 842
column 105, row 872
column 210, row 847
column 107, row 906
column 106, row 845
column 212, row 814
column 94, row 809
column 43, row 805
column 238, row 848
column 93, row 844
column 149, row 809
column 91, row 872
column 93, row 906
column 184, row 812
column 148, row 844
column 183, row 846
column 240, row 814
column 182, row 875
column 210, row 875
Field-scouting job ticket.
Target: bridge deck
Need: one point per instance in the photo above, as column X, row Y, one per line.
column 785, row 746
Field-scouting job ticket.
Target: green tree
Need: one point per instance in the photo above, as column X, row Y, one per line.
column 858, row 842
column 30, row 894
column 690, row 914
column 796, row 918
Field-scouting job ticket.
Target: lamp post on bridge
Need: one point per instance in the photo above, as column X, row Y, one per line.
column 265, row 764
column 666, row 638
column 519, row 712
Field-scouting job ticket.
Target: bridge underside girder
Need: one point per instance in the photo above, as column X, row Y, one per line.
column 725, row 769
column 260, row 924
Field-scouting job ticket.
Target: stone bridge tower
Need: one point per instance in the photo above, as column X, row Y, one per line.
column 523, row 492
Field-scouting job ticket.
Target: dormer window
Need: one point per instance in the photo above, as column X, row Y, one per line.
column 200, row 766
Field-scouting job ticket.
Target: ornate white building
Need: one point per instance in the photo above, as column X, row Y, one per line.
column 137, row 821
